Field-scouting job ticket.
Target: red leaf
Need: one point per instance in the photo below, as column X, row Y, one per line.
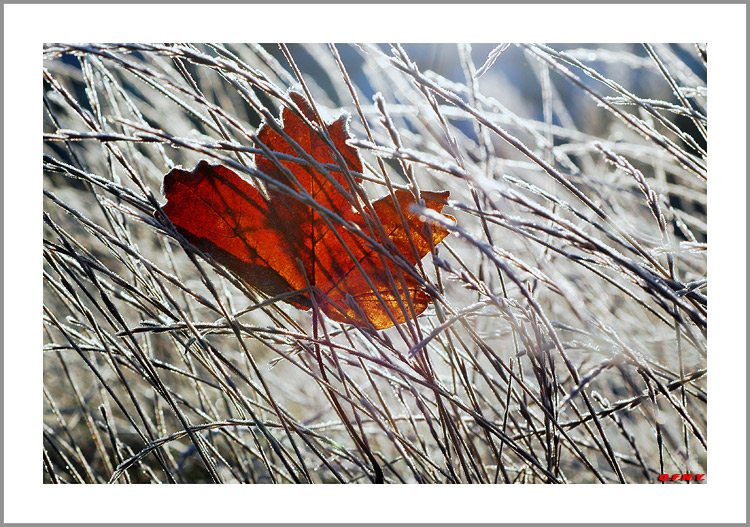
column 281, row 244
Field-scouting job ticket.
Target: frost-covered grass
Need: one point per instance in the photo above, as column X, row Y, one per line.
column 566, row 340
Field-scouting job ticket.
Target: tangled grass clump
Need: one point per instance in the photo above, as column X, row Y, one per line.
column 566, row 338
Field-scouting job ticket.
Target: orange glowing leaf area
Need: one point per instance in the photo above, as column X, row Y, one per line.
column 279, row 244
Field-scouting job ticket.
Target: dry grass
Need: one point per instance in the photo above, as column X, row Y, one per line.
column 566, row 342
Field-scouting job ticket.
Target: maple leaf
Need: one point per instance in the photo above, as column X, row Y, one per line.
column 281, row 244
